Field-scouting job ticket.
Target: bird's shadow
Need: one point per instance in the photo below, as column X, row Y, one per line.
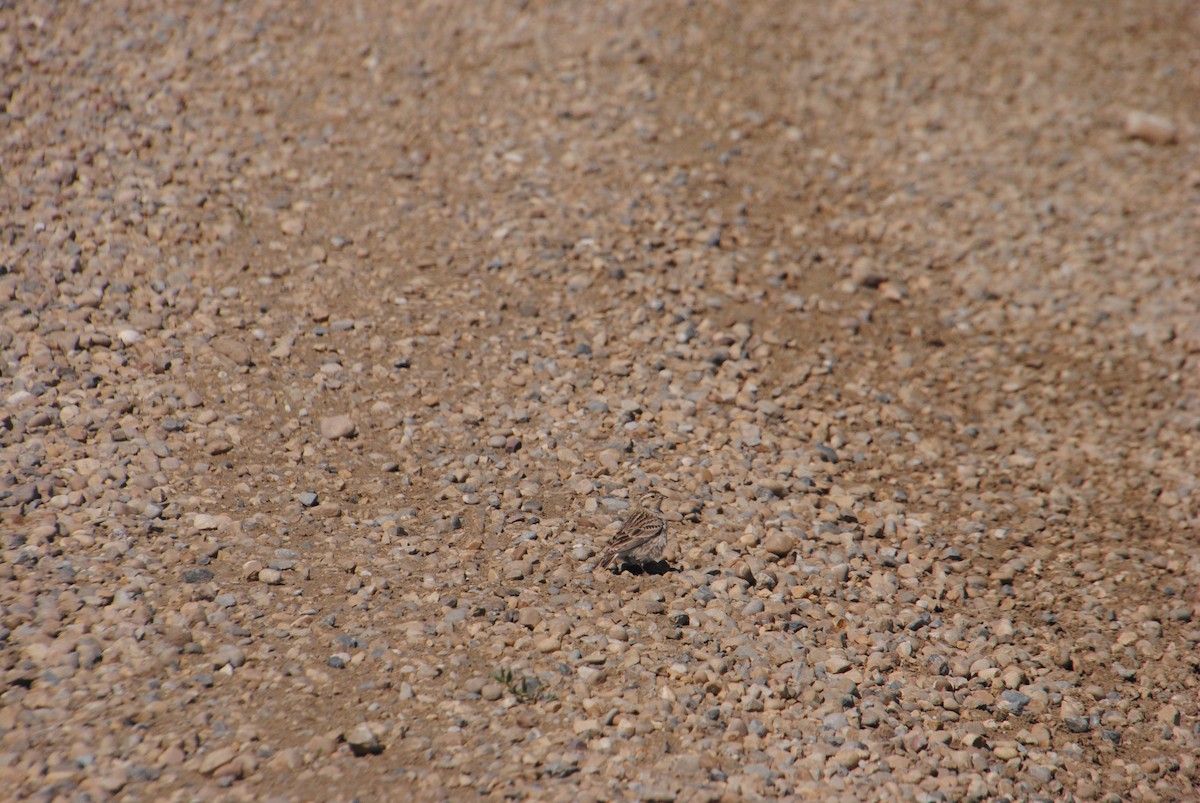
column 658, row 567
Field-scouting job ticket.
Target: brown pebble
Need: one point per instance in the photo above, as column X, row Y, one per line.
column 779, row 544
column 1150, row 128
column 233, row 349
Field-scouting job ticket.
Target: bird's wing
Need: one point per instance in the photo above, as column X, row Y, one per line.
column 640, row 527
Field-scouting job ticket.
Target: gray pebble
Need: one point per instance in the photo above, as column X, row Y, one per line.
column 1077, row 724
column 1013, row 702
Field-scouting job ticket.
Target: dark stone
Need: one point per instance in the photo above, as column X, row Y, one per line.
column 197, row 576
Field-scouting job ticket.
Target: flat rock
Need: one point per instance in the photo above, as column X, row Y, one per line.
column 1150, row 127
column 235, row 350
column 338, row 426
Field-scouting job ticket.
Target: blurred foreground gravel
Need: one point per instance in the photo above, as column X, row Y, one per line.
column 335, row 340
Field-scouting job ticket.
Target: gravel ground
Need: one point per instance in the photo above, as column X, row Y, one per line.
column 336, row 338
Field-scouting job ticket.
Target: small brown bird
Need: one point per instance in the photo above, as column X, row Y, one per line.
column 642, row 536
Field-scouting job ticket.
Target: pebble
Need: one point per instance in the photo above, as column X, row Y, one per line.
column 1013, row 702
column 338, row 426
column 1006, row 750
column 236, row 351
column 1150, row 127
column 1077, row 724
column 271, row 577
column 592, row 676
column 216, row 759
column 1125, row 672
column 363, row 739
column 229, row 654
column 779, row 544
column 837, row 664
column 197, row 576
column 205, row 521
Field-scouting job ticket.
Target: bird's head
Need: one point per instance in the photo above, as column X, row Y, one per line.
column 652, row 500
